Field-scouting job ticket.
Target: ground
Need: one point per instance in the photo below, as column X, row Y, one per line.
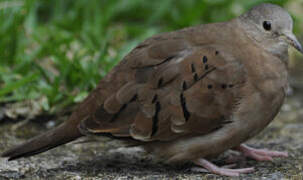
column 107, row 159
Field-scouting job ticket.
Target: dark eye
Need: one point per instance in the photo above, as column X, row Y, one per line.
column 267, row 25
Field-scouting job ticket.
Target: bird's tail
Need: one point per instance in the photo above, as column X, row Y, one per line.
column 51, row 139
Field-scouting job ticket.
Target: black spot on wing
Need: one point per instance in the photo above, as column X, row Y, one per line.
column 156, row 118
column 184, row 86
column 206, row 67
column 204, row 59
column 160, row 82
column 155, row 98
column 186, row 114
column 196, row 77
column 193, row 69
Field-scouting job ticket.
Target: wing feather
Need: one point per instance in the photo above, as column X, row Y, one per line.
column 168, row 88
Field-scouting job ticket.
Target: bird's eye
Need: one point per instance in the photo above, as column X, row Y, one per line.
column 267, row 25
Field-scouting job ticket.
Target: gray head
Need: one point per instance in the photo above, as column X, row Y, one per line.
column 271, row 26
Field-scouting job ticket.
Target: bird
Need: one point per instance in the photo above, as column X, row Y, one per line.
column 191, row 94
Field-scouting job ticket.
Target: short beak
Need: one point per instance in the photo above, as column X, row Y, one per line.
column 293, row 41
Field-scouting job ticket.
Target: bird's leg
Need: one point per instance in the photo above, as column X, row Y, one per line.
column 259, row 154
column 207, row 166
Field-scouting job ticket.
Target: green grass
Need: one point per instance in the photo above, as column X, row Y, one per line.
column 60, row 49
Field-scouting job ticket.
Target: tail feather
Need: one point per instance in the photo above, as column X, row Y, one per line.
column 51, row 139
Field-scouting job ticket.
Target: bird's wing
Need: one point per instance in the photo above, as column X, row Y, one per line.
column 166, row 88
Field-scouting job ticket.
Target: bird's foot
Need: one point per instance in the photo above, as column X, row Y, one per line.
column 207, row 166
column 259, row 154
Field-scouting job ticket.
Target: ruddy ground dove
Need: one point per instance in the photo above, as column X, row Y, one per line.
column 190, row 94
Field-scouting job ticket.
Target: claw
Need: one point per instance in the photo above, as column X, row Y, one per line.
column 224, row 171
column 260, row 154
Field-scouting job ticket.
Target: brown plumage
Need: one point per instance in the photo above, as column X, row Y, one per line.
column 195, row 92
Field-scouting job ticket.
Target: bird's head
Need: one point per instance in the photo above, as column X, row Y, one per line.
column 272, row 27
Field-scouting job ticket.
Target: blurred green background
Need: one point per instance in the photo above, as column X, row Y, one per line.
column 54, row 52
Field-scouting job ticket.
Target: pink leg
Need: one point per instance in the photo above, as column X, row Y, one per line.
column 212, row 168
column 260, row 154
